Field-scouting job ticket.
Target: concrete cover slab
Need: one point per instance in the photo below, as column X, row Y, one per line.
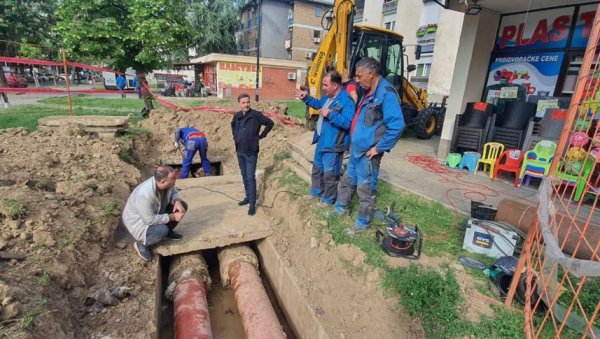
column 213, row 219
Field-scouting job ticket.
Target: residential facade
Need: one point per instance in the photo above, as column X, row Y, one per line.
column 290, row 29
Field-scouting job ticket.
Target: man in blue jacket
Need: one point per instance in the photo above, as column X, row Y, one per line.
column 375, row 129
column 331, row 135
column 245, row 126
column 121, row 84
column 192, row 140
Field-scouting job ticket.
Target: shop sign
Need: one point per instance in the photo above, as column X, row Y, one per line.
column 237, row 75
column 535, row 30
column 536, row 72
column 583, row 26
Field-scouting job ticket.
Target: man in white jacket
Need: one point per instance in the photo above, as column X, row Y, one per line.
column 153, row 210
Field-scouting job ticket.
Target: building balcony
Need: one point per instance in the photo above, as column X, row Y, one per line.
column 390, row 7
column 290, row 20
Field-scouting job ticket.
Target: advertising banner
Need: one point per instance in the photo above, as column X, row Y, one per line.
column 236, row 75
column 583, row 26
column 537, row 72
column 535, row 30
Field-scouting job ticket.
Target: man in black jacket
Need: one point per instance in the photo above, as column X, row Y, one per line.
column 246, row 133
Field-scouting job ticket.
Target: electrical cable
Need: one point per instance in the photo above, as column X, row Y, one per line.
column 236, row 199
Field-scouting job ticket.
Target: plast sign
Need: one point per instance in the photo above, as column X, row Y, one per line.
column 545, row 29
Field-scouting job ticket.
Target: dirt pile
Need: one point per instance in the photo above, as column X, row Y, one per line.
column 217, row 127
column 61, row 193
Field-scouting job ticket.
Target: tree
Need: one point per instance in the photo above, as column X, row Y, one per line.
column 137, row 33
column 215, row 23
column 25, row 21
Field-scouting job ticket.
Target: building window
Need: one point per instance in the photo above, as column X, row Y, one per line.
column 318, row 11
column 316, row 34
column 391, row 25
column 242, row 46
column 423, row 70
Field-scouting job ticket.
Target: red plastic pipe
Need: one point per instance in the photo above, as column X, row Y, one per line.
column 257, row 313
column 192, row 320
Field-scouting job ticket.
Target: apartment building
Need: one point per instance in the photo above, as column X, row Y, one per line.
column 290, row 29
column 424, row 23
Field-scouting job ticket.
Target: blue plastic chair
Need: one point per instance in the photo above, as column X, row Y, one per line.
column 470, row 160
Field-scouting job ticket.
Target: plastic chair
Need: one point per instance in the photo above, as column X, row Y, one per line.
column 509, row 161
column 469, row 160
column 569, row 175
column 453, row 159
column 537, row 161
column 491, row 152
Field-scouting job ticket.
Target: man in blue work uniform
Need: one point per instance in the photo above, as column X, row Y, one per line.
column 331, row 135
column 245, row 127
column 192, row 140
column 375, row 129
column 121, row 84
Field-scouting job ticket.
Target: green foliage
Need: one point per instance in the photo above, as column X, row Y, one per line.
column 12, row 209
column 282, row 156
column 27, row 320
column 295, row 108
column 138, row 34
column 110, row 208
column 126, row 154
column 43, row 279
column 25, row 21
column 88, row 225
column 215, row 23
column 83, row 100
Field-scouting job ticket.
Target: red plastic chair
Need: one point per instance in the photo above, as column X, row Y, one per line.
column 509, row 161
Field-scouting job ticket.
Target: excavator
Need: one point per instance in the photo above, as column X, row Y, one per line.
column 344, row 45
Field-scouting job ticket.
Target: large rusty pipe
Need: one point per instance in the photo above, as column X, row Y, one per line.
column 523, row 216
column 187, row 285
column 239, row 270
column 191, row 310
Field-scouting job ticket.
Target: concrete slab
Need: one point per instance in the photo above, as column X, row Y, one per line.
column 214, row 218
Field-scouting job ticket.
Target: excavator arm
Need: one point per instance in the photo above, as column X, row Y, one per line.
column 414, row 96
column 334, row 49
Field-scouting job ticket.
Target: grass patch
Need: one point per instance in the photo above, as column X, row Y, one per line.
column 295, row 108
column 202, row 102
column 88, row 225
column 27, row 115
column 83, row 100
column 135, row 131
column 43, row 279
column 126, row 154
column 12, row 209
column 282, row 156
column 109, row 209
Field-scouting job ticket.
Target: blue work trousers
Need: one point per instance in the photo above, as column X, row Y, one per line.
column 191, row 146
column 360, row 176
column 325, row 174
column 247, row 164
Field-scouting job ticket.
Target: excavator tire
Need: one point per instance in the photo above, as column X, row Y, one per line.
column 426, row 123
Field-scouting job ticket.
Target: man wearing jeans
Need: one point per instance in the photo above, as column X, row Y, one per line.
column 193, row 140
column 153, row 210
column 245, row 127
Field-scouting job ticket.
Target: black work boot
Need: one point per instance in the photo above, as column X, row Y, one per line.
column 244, row 202
column 252, row 209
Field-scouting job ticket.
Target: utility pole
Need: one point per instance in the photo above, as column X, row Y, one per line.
column 259, row 19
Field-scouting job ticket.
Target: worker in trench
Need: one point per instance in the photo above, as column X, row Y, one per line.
column 153, row 210
column 336, row 110
column 193, row 140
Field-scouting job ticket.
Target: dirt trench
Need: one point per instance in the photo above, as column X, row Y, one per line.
column 63, row 274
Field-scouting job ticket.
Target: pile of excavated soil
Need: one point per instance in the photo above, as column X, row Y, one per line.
column 61, row 193
column 217, row 126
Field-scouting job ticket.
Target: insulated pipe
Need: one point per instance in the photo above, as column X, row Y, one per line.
column 187, row 285
column 239, row 270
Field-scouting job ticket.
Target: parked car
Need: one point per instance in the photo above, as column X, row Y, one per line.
column 15, row 80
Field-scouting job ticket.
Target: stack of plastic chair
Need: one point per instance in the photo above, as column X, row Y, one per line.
column 536, row 163
column 472, row 127
column 514, row 124
column 491, row 152
column 576, row 174
column 549, row 127
column 509, row 161
column 470, row 160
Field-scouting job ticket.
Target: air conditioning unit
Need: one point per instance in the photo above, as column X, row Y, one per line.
column 309, row 55
column 292, row 76
column 317, row 40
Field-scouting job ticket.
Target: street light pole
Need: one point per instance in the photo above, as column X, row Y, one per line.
column 259, row 19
